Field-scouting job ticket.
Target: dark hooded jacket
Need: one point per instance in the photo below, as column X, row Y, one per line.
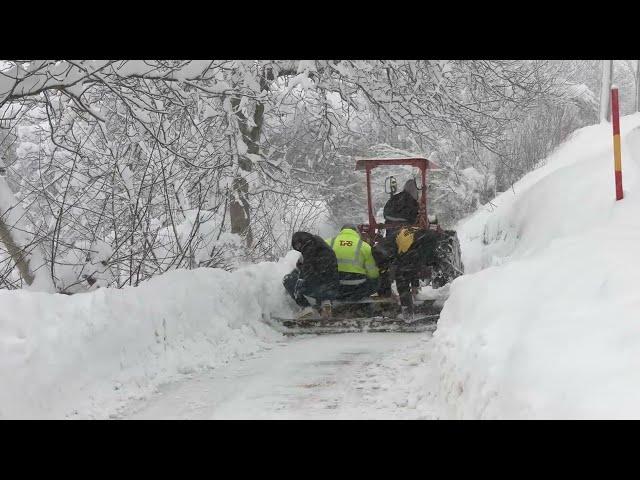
column 318, row 264
column 403, row 206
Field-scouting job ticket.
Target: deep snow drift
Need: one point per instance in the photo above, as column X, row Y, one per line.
column 81, row 356
column 548, row 326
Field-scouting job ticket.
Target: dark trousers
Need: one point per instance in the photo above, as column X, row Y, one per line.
column 384, row 254
column 409, row 265
column 406, row 277
column 404, row 268
column 317, row 290
column 358, row 292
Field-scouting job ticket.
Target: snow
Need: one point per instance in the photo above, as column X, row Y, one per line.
column 542, row 325
column 325, row 377
column 193, row 69
column 85, row 261
column 580, row 91
column 545, row 324
column 81, row 356
column 207, row 240
column 42, row 74
column 241, row 146
column 306, row 66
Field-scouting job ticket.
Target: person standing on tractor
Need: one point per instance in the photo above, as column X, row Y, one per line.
column 401, row 208
column 315, row 275
column 402, row 257
column 356, row 267
column 415, row 248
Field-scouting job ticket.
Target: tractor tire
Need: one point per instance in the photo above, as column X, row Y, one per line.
column 449, row 260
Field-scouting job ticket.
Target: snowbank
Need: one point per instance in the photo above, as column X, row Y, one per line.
column 86, row 354
column 546, row 325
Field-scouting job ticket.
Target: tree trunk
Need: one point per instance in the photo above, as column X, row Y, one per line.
column 239, row 209
column 17, row 254
column 605, row 90
column 16, row 239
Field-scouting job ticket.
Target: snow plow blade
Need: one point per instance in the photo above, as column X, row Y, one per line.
column 370, row 315
column 318, row 326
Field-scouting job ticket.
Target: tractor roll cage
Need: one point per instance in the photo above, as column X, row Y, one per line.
column 368, row 164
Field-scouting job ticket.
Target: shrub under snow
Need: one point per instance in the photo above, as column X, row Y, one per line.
column 64, row 356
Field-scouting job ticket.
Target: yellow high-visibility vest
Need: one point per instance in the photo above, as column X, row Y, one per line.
column 353, row 253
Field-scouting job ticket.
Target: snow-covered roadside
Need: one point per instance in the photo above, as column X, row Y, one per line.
column 81, row 356
column 548, row 325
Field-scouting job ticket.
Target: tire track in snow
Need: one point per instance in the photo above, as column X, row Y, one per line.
column 325, row 377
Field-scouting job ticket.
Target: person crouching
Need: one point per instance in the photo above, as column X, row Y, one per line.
column 315, row 276
column 356, row 267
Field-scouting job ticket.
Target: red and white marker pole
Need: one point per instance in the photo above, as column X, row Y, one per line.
column 617, row 162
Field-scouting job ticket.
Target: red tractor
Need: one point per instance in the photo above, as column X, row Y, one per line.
column 448, row 249
column 379, row 314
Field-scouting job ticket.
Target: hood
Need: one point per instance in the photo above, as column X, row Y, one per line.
column 300, row 239
column 349, row 231
column 411, row 188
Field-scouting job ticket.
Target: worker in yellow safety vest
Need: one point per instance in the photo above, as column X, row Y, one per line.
column 356, row 267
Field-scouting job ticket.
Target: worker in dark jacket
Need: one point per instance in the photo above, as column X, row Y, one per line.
column 401, row 257
column 415, row 248
column 315, row 275
column 402, row 208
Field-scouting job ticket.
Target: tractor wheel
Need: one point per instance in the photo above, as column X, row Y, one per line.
column 450, row 260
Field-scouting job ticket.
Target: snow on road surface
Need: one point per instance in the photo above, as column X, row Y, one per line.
column 349, row 376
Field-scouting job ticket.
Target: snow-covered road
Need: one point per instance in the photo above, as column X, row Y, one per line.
column 333, row 376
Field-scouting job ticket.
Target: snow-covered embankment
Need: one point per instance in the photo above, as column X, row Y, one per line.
column 547, row 325
column 82, row 355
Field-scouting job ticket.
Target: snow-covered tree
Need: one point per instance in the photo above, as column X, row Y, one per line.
column 605, row 90
column 175, row 164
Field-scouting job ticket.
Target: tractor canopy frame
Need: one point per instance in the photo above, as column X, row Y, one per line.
column 371, row 230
